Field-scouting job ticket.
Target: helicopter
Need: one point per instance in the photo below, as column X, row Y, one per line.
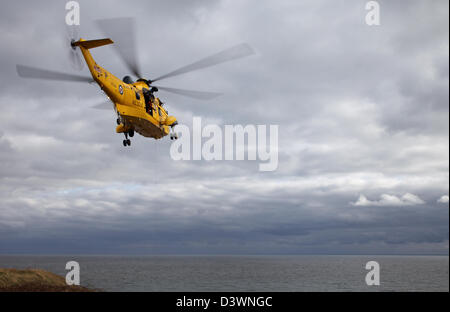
column 138, row 109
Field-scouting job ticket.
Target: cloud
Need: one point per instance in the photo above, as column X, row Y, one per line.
column 443, row 199
column 390, row 200
column 361, row 110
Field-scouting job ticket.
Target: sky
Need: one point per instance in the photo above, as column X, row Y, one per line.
column 363, row 120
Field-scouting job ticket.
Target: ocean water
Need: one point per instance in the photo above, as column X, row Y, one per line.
column 246, row 273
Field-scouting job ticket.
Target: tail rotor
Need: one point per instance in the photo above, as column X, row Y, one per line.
column 73, row 53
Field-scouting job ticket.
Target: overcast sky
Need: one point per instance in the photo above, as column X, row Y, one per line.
column 363, row 132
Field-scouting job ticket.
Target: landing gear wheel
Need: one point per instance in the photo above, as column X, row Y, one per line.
column 131, row 133
column 175, row 136
column 127, row 140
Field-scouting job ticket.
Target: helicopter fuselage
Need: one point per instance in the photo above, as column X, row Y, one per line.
column 136, row 112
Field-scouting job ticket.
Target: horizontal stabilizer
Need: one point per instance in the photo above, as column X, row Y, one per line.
column 90, row 44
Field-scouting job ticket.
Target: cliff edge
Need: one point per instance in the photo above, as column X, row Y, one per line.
column 29, row 280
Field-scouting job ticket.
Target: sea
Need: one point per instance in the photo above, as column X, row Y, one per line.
column 246, row 273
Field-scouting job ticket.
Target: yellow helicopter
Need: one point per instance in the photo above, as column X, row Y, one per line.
column 138, row 109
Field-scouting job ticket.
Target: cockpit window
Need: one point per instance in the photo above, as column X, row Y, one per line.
column 138, row 97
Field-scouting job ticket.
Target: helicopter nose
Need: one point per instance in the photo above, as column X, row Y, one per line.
column 171, row 121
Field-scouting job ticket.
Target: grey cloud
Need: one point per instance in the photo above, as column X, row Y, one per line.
column 361, row 110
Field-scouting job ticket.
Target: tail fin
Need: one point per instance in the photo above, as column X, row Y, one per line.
column 90, row 44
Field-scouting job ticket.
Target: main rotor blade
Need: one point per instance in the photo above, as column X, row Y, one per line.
column 200, row 95
column 37, row 73
column 105, row 105
column 122, row 31
column 233, row 53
